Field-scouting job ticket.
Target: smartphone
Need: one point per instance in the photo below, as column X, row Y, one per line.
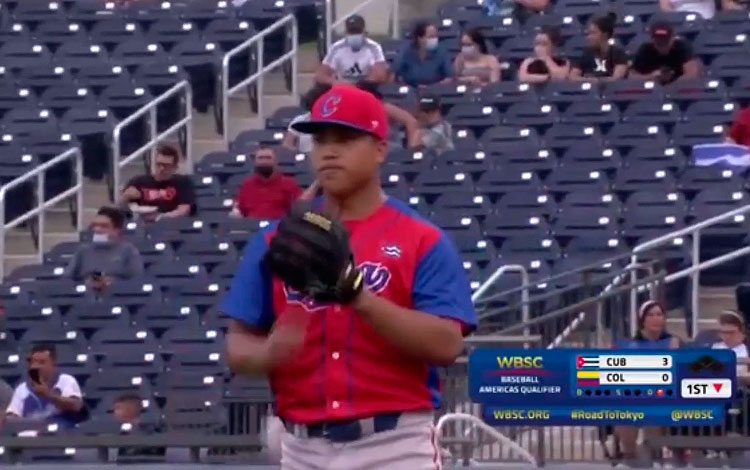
column 34, row 375
column 97, row 275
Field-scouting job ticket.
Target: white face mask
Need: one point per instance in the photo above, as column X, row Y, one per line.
column 355, row 41
column 469, row 51
column 431, row 43
column 100, row 238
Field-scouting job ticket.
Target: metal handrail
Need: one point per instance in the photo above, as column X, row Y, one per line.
column 259, row 41
column 331, row 24
column 517, row 268
column 154, row 138
column 39, row 174
column 696, row 266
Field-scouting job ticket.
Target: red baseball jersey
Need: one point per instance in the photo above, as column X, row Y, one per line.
column 346, row 370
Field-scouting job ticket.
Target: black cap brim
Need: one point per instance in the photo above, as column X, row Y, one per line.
column 316, row 127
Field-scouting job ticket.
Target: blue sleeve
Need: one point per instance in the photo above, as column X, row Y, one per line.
column 249, row 299
column 400, row 64
column 440, row 285
column 446, row 67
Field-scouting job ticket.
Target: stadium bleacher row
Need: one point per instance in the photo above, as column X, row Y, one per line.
column 550, row 177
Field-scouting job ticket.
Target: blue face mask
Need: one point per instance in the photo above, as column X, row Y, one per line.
column 355, row 41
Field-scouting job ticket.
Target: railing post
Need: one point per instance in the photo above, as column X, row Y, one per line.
column 152, row 127
column 2, row 235
column 525, row 310
column 295, row 63
column 633, row 296
column 396, row 18
column 225, row 98
column 116, row 156
column 261, row 80
column 42, row 214
column 79, row 194
column 329, row 24
column 189, row 129
column 695, row 277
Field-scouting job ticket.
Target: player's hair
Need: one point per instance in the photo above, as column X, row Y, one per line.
column 44, row 347
column 606, row 23
column 114, row 214
column 552, row 33
column 169, row 150
column 731, row 317
column 477, row 37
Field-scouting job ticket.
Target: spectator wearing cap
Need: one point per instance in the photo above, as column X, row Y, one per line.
column 474, row 64
column 267, row 194
column 423, row 61
column 519, row 10
column 108, row 256
column 437, row 133
column 354, row 57
column 735, row 4
column 705, row 8
column 294, row 140
column 545, row 64
column 665, row 58
column 601, row 61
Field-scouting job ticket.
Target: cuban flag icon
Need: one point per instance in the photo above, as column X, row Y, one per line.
column 587, row 361
column 392, row 250
column 721, row 154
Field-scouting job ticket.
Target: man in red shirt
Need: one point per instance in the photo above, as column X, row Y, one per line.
column 739, row 133
column 268, row 193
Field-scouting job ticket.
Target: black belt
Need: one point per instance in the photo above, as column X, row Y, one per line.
column 345, row 431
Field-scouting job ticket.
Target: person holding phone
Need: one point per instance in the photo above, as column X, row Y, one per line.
column 46, row 395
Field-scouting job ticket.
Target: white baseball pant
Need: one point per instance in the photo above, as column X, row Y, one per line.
column 410, row 446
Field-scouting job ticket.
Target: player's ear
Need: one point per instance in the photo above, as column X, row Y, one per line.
column 382, row 148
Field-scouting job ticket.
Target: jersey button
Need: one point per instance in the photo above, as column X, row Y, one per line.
column 337, row 308
column 335, row 355
column 335, row 405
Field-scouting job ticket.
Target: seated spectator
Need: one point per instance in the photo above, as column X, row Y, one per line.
column 665, row 58
column 47, row 396
column 652, row 334
column 396, row 115
column 546, row 64
column 474, row 64
column 735, row 4
column 354, row 57
column 128, row 409
column 6, row 392
column 601, row 61
column 107, row 257
column 294, row 140
column 437, row 133
column 516, row 9
column 268, row 193
column 732, row 333
column 705, row 8
column 163, row 193
column 739, row 132
column 422, row 61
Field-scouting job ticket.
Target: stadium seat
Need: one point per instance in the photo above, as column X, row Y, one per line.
column 667, row 157
column 131, row 362
column 564, row 135
column 652, row 221
column 587, row 221
column 531, row 114
column 591, row 156
column 199, row 359
column 625, row 136
column 511, row 179
column 588, row 198
column 89, row 317
column 535, row 201
column 474, row 116
column 604, row 115
column 565, row 180
column 652, row 112
column 710, row 44
column 642, row 178
column 623, row 92
column 503, row 94
column 513, row 223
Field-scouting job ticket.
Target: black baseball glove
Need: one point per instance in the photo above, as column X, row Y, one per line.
column 310, row 253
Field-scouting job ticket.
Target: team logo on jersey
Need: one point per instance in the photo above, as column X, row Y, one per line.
column 376, row 278
column 330, row 105
column 392, row 250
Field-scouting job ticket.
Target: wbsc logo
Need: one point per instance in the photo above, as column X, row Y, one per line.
column 376, row 278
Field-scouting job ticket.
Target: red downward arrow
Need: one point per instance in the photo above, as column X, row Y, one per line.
column 717, row 387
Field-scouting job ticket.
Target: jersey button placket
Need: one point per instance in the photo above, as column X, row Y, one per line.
column 337, row 374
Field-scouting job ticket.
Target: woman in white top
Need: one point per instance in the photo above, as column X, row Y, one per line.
column 732, row 333
column 705, row 8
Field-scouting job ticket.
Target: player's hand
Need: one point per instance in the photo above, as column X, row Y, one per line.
column 287, row 337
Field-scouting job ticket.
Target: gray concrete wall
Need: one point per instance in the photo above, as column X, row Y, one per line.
column 377, row 12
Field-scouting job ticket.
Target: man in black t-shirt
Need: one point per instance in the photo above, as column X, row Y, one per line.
column 665, row 58
column 163, row 193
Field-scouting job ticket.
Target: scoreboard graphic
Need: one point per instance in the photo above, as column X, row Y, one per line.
column 564, row 387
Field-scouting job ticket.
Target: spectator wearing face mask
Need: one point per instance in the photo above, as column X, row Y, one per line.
column 474, row 64
column 268, row 193
column 354, row 57
column 437, row 133
column 107, row 257
column 665, row 58
column 163, row 193
column 601, row 61
column 422, row 61
column 546, row 64
column 705, row 8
